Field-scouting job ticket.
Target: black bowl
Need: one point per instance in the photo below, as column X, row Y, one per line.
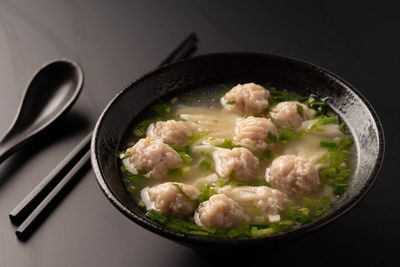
column 295, row 75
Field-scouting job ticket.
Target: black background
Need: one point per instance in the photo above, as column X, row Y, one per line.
column 116, row 42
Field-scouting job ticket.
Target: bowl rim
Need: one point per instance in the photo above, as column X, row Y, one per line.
column 204, row 240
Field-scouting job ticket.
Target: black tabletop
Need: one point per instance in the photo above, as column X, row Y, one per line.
column 116, row 42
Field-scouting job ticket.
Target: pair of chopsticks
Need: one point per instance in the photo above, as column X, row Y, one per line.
column 32, row 210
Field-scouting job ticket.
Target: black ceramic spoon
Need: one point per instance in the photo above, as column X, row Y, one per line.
column 51, row 92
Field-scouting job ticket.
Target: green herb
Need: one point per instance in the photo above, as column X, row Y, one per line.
column 272, row 138
column 317, row 207
column 189, row 227
column 162, row 108
column 136, row 179
column 267, row 155
column 327, row 144
column 175, row 173
column 328, row 119
column 141, row 129
column 278, row 96
column 336, row 173
column 123, row 154
column 286, row 223
column 227, row 143
column 298, row 214
column 244, row 231
column 206, row 155
column 156, row 216
column 302, row 214
column 256, row 232
column 237, row 232
column 195, row 137
column 346, row 142
column 260, row 225
column 323, row 120
column 183, row 151
column 180, row 148
column 288, row 134
column 319, row 106
column 222, row 182
column 205, row 164
column 339, row 189
column 205, row 193
column 299, row 109
column 186, row 157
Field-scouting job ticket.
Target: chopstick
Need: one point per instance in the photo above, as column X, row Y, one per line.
column 33, row 199
column 38, row 202
column 34, row 219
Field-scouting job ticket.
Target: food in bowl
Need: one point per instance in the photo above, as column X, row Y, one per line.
column 241, row 161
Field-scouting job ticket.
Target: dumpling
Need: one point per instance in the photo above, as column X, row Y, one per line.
column 220, row 212
column 238, row 163
column 246, row 98
column 168, row 199
column 261, row 203
column 171, row 131
column 152, row 157
column 290, row 114
column 293, row 175
column 253, row 132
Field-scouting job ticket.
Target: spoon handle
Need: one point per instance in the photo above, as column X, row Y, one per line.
column 7, row 148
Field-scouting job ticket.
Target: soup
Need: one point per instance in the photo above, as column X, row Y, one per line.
column 241, row 161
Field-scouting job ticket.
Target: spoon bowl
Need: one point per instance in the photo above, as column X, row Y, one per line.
column 52, row 91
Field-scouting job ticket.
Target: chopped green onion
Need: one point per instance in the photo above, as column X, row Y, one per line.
column 298, row 214
column 299, row 109
column 346, row 142
column 136, row 179
column 186, row 157
column 267, row 155
column 162, row 108
column 339, row 189
column 328, row 144
column 123, row 154
column 205, row 164
column 272, row 138
column 175, row 173
column 205, row 193
column 286, row 223
column 327, row 173
column 241, row 231
column 288, row 134
column 323, row 120
column 318, row 105
column 255, row 232
column 156, row 216
column 278, row 96
column 195, row 137
column 141, row 129
column 227, row 143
